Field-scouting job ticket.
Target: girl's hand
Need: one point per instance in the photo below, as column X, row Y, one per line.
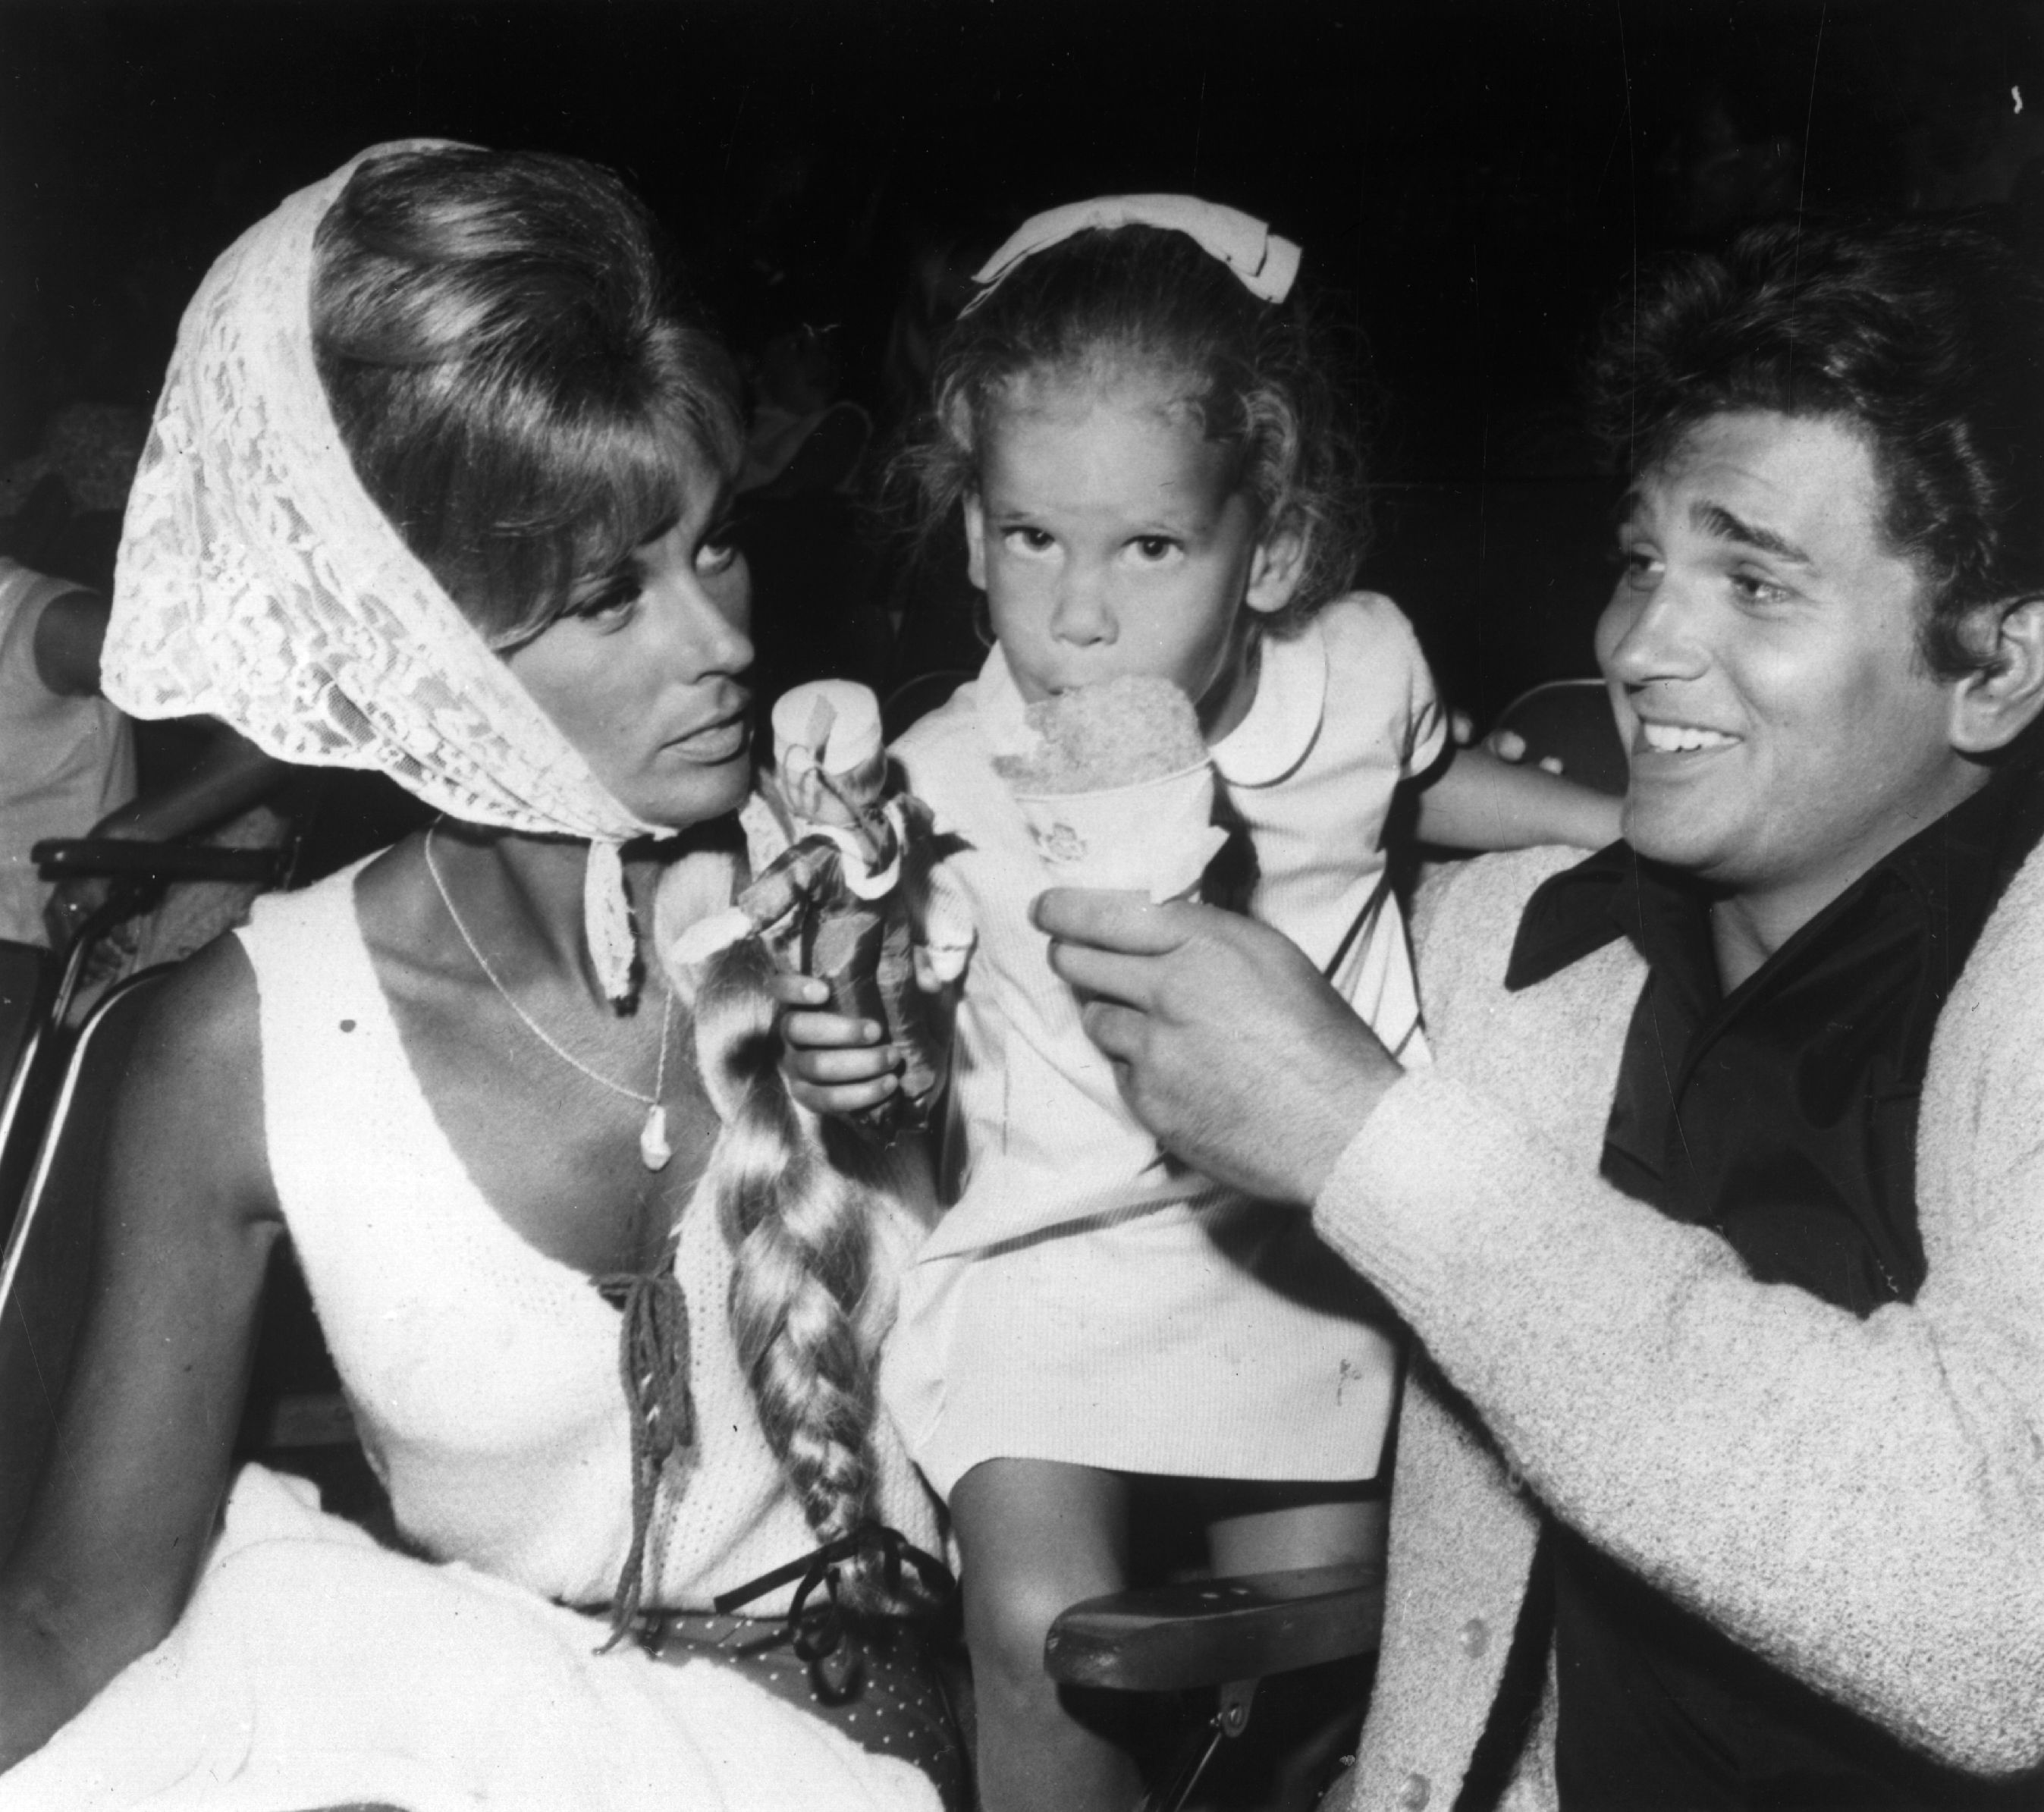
column 832, row 1064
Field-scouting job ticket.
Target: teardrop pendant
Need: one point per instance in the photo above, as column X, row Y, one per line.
column 654, row 1149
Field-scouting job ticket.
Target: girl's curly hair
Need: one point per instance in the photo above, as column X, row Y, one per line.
column 1272, row 381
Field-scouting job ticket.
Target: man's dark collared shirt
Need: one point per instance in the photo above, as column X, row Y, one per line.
column 1783, row 1117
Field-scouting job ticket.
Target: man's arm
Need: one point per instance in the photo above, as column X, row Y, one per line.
column 1861, row 1502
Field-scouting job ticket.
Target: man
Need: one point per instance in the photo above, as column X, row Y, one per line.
column 1721, row 1471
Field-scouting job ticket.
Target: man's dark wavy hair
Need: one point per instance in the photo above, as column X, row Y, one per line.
column 1927, row 337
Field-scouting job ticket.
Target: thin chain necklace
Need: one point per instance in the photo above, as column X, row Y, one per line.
column 654, row 1149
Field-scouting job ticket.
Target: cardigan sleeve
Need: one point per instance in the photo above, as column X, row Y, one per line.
column 1861, row 1502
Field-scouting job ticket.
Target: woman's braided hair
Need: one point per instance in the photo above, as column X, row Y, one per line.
column 805, row 1317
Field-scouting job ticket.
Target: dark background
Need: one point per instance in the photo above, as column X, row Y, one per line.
column 1476, row 180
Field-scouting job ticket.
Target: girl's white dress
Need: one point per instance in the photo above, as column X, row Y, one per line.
column 1086, row 1298
column 313, row 1667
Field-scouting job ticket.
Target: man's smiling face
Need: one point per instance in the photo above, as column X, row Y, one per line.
column 1761, row 648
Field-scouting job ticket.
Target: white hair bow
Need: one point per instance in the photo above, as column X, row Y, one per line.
column 1265, row 262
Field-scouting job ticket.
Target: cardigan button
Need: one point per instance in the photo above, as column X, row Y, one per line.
column 1412, row 1793
column 1473, row 1637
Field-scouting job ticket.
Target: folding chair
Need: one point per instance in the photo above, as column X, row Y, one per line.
column 140, row 872
column 28, row 988
column 1567, row 728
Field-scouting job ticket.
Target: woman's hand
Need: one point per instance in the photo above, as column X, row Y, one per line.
column 833, row 1063
column 1228, row 1044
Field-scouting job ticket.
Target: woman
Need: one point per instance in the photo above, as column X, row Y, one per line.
column 436, row 487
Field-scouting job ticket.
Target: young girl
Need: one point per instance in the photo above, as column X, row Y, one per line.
column 1156, row 478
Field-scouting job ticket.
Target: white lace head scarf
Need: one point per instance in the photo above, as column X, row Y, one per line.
column 258, row 582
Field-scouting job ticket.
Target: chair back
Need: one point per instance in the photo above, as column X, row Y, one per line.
column 1567, row 728
column 28, row 983
column 46, row 1270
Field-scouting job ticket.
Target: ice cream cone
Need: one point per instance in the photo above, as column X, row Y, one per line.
column 1155, row 837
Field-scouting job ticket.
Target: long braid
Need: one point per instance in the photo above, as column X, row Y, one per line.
column 801, row 1313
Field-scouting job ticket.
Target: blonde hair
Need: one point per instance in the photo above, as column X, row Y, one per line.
column 1275, row 382
column 799, row 1206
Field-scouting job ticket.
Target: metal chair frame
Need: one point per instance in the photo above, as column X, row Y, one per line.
column 25, row 1092
column 1568, row 722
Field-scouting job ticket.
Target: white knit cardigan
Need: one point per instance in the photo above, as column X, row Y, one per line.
column 1860, row 1502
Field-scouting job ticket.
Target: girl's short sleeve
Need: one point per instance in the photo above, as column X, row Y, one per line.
column 1426, row 721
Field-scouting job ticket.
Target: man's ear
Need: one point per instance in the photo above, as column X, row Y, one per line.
column 1992, row 708
column 975, row 540
column 1275, row 569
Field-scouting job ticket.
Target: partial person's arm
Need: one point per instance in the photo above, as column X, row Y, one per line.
column 1861, row 1502
column 125, row 1513
column 1476, row 801
column 232, row 775
column 69, row 635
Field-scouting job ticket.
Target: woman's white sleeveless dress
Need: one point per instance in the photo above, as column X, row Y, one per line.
column 313, row 1667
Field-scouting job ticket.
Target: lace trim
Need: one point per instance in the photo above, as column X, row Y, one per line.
column 258, row 582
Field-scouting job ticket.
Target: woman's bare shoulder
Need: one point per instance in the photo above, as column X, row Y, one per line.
column 207, row 1004
column 190, row 1105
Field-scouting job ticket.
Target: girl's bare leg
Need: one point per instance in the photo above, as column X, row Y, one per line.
column 1303, row 1722
column 1034, row 1536
column 1325, row 1526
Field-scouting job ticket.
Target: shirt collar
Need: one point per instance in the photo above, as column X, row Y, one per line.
column 1004, row 722
column 1571, row 914
column 1957, row 867
column 1271, row 740
column 1284, row 718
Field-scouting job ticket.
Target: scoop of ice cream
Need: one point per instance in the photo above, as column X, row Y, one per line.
column 1118, row 732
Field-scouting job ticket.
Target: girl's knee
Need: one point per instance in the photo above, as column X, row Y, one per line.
column 1007, row 1617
